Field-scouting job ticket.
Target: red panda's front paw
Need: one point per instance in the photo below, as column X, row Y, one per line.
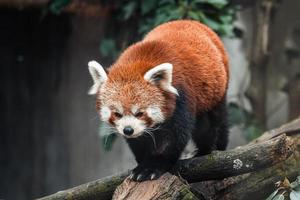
column 140, row 173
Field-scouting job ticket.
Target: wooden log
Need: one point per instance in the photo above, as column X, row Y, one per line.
column 222, row 164
column 99, row 189
column 217, row 165
column 166, row 187
column 255, row 185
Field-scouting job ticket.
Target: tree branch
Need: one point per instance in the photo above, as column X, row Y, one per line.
column 99, row 189
column 213, row 166
column 259, row 183
column 223, row 164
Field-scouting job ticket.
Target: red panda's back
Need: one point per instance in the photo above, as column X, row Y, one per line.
column 200, row 61
column 200, row 65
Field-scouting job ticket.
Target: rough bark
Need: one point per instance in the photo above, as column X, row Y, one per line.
column 258, row 184
column 99, row 189
column 293, row 89
column 255, row 185
column 167, row 187
column 257, row 92
column 252, row 157
column 222, row 164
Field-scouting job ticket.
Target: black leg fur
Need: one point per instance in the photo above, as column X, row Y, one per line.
column 155, row 158
column 211, row 130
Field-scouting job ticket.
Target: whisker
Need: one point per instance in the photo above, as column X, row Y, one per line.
column 154, row 129
column 152, row 136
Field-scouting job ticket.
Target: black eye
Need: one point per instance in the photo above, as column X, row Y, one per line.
column 138, row 114
column 118, row 115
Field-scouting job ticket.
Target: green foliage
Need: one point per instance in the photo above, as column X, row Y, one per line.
column 286, row 190
column 217, row 14
column 107, row 136
column 252, row 130
column 108, row 47
column 56, row 6
column 239, row 116
column 108, row 140
column 236, row 115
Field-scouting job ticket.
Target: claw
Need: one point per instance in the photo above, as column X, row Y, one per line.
column 139, row 177
column 131, row 175
column 153, row 175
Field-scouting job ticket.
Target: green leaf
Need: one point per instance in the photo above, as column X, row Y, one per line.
column 272, row 195
column 210, row 22
column 226, row 29
column 107, row 137
column 108, row 47
column 175, row 14
column 195, row 15
column 236, row 114
column 108, row 140
column 162, row 2
column 129, row 9
column 145, row 27
column 295, row 195
column 219, row 4
column 226, row 19
column 147, row 6
column 252, row 132
column 56, row 6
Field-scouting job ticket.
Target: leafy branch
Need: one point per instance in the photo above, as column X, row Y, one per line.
column 217, row 14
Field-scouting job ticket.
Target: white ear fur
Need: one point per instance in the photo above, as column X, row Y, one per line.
column 98, row 74
column 166, row 83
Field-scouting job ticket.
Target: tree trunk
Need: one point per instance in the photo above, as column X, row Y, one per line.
column 257, row 92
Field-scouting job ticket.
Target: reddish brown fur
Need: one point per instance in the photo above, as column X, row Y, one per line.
column 200, row 68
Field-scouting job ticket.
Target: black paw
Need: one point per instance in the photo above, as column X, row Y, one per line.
column 143, row 173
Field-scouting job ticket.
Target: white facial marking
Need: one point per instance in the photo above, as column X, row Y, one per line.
column 137, row 125
column 154, row 112
column 98, row 74
column 119, row 107
column 134, row 109
column 166, row 83
column 105, row 113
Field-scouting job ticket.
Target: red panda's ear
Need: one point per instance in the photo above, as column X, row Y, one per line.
column 161, row 75
column 98, row 74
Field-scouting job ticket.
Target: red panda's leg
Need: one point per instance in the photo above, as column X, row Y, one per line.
column 211, row 130
column 223, row 132
column 171, row 139
column 153, row 161
column 138, row 148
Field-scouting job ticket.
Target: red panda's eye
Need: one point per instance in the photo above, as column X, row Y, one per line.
column 118, row 115
column 139, row 114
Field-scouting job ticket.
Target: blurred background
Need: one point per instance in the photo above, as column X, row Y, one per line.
column 50, row 137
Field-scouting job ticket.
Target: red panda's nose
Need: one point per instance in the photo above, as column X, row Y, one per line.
column 128, row 130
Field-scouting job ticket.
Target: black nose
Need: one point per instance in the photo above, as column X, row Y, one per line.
column 128, row 130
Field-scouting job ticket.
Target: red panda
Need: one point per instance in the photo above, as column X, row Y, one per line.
column 164, row 90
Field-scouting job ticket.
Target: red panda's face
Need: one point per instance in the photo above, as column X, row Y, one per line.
column 132, row 106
